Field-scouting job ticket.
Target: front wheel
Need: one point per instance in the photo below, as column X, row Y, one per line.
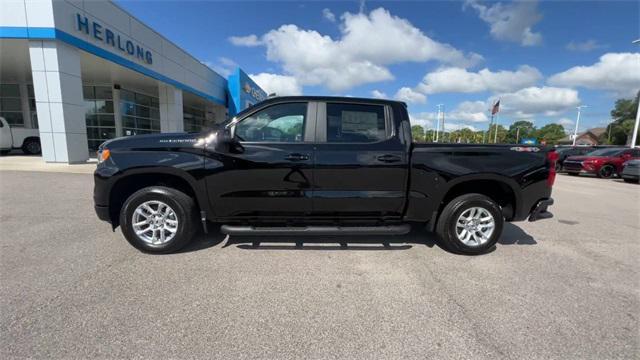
column 158, row 219
column 606, row 172
column 470, row 224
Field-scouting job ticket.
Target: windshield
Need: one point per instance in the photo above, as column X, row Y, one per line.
column 605, row 152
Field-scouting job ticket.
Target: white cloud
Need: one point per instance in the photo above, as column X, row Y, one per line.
column 585, row 46
column 512, row 21
column 566, row 123
column 223, row 66
column 426, row 120
column 455, row 79
column 327, row 14
column 617, row 72
column 367, row 44
column 379, row 94
column 471, row 111
column 281, row 85
column 465, row 112
column 248, row 41
column 533, row 100
column 410, row 96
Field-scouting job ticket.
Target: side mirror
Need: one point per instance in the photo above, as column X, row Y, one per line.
column 226, row 142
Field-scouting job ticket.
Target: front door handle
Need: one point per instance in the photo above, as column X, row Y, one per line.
column 388, row 158
column 297, row 157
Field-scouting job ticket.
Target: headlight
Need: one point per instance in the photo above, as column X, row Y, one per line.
column 103, row 154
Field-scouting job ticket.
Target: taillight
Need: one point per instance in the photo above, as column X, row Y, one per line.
column 552, row 158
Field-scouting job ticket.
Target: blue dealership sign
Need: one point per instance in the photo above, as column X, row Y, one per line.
column 243, row 92
column 528, row 141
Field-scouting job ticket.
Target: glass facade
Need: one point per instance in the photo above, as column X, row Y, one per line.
column 101, row 124
column 140, row 113
column 194, row 118
column 10, row 104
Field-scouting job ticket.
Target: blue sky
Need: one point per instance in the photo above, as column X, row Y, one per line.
column 460, row 54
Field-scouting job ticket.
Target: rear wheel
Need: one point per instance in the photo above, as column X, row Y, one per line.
column 31, row 146
column 158, row 219
column 470, row 224
column 606, row 172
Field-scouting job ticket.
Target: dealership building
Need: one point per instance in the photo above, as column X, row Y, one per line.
column 83, row 72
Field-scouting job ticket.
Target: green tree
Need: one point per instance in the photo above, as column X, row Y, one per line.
column 502, row 134
column 624, row 117
column 417, row 133
column 550, row 133
column 526, row 129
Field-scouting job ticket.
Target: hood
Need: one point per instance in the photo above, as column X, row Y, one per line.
column 163, row 140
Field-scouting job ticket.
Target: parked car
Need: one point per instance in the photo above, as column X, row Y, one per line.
column 631, row 171
column 605, row 163
column 565, row 152
column 18, row 138
column 318, row 166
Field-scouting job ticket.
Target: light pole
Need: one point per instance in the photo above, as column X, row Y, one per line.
column 575, row 131
column 438, row 122
column 634, row 136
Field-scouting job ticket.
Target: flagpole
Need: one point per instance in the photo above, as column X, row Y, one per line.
column 495, row 137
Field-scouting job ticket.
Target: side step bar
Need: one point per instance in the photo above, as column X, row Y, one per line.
column 315, row 230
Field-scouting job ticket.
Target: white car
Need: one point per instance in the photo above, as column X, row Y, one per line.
column 18, row 138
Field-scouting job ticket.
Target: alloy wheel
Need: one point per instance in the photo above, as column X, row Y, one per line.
column 155, row 222
column 475, row 226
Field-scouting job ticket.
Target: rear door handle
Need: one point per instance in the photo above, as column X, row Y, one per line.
column 389, row 158
column 297, row 157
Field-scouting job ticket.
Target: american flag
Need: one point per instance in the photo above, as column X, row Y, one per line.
column 496, row 108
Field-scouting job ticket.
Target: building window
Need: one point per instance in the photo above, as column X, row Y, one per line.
column 194, row 118
column 10, row 104
column 101, row 125
column 140, row 113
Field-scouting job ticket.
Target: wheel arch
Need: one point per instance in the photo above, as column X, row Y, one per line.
column 136, row 179
column 503, row 190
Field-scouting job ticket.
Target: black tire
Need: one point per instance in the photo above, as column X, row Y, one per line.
column 633, row 181
column 4, row 152
column 558, row 167
column 446, row 226
column 31, row 146
column 572, row 173
column 183, row 206
column 606, row 171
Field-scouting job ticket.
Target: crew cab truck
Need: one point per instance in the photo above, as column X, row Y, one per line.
column 18, row 138
column 317, row 166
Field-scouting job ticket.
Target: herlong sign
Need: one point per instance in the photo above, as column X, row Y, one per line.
column 112, row 38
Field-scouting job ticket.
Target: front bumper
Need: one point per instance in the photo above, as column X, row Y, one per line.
column 103, row 213
column 540, row 211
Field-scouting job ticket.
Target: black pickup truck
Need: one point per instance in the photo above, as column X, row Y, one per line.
column 317, row 166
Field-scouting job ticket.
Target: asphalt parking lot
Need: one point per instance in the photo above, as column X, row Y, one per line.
column 561, row 288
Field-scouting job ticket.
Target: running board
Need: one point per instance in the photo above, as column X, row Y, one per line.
column 315, row 230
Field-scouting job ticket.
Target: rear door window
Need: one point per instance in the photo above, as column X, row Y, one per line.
column 355, row 123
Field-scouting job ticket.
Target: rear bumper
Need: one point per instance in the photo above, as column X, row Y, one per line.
column 540, row 211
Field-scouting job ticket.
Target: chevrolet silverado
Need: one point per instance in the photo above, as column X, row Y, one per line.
column 317, row 166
